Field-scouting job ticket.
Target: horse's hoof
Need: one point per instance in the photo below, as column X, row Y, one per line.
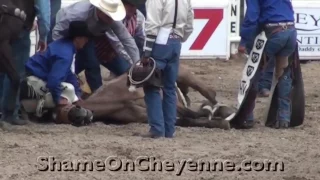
column 225, row 125
column 224, row 112
column 221, row 124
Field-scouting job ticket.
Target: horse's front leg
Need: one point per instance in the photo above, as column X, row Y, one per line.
column 186, row 79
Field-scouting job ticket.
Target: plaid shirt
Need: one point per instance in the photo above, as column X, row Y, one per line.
column 104, row 50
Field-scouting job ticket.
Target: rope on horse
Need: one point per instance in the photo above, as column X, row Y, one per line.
column 37, row 40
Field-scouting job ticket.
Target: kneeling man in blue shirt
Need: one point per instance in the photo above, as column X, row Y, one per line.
column 51, row 77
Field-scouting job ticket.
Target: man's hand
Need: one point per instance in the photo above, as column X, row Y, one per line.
column 242, row 49
column 35, row 25
column 42, row 46
column 78, row 103
column 145, row 61
column 63, row 102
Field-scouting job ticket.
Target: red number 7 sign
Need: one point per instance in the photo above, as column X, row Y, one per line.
column 214, row 17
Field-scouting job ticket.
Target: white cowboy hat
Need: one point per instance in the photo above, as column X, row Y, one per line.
column 113, row 8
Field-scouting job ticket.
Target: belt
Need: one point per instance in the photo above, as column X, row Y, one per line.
column 280, row 24
column 277, row 27
column 174, row 36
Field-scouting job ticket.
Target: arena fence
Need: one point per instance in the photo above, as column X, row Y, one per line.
column 217, row 29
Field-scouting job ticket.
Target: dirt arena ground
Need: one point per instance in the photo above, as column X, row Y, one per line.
column 297, row 148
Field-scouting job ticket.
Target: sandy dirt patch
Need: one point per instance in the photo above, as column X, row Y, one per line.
column 298, row 148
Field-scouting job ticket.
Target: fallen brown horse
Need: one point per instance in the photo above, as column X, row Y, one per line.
column 113, row 102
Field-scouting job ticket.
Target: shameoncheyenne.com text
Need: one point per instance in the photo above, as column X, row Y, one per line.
column 145, row 163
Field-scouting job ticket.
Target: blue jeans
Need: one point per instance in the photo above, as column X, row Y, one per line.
column 266, row 76
column 162, row 114
column 117, row 66
column 55, row 5
column 2, row 76
column 282, row 44
column 87, row 60
column 21, row 52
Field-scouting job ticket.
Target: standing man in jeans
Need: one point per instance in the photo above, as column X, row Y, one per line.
column 55, row 6
column 21, row 52
column 276, row 18
column 172, row 19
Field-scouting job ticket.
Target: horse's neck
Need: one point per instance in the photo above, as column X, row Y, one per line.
column 28, row 7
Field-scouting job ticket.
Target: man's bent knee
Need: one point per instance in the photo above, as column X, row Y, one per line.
column 281, row 64
column 69, row 92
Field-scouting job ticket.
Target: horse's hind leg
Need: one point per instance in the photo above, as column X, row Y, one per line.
column 185, row 78
column 203, row 122
column 184, row 90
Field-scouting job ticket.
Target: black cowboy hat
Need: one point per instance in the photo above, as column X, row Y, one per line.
column 134, row 2
column 78, row 29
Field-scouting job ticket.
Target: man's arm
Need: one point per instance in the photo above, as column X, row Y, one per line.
column 57, row 75
column 62, row 25
column 140, row 35
column 43, row 15
column 153, row 23
column 72, row 79
column 250, row 23
column 74, row 12
column 117, row 45
column 189, row 26
column 126, row 39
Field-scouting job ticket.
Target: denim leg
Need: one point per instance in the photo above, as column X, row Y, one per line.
column 162, row 114
column 117, row 66
column 55, row 5
column 87, row 60
column 266, row 78
column 2, row 76
column 284, row 101
column 169, row 104
column 21, row 51
column 153, row 102
column 283, row 44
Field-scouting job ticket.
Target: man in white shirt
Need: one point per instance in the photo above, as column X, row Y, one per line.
column 173, row 18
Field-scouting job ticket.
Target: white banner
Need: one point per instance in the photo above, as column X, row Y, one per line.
column 211, row 28
column 307, row 19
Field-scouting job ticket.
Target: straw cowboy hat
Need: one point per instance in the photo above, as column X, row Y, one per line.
column 112, row 8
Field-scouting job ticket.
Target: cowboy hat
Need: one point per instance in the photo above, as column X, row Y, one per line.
column 134, row 2
column 113, row 8
column 79, row 29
